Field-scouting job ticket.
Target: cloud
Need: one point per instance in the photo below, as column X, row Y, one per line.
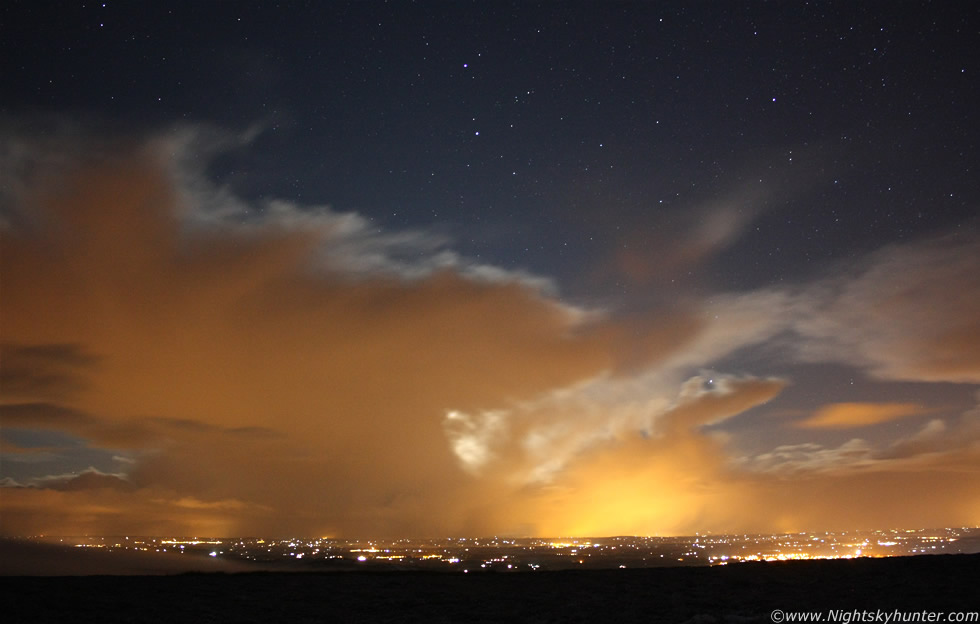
column 937, row 446
column 45, row 371
column 679, row 475
column 347, row 244
column 906, row 312
column 850, row 415
column 112, row 511
column 262, row 367
column 56, row 417
column 808, row 457
column 675, row 244
column 89, row 479
column 44, row 415
column 938, row 437
column 909, row 312
column 231, row 356
column 610, row 456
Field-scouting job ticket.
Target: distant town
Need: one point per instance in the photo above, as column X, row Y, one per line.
column 500, row 554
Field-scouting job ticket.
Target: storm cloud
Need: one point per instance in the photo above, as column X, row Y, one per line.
column 263, row 367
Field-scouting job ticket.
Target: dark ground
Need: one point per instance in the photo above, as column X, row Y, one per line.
column 746, row 592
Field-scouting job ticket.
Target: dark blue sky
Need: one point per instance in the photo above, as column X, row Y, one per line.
column 544, row 136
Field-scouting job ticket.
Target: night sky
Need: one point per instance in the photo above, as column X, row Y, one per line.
column 470, row 268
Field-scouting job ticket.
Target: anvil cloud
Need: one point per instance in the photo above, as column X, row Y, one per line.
column 271, row 368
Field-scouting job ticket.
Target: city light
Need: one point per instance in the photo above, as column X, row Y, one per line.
column 533, row 554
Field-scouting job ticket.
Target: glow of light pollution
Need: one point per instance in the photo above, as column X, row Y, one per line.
column 488, row 269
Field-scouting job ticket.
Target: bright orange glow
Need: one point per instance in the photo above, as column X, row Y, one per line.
column 846, row 415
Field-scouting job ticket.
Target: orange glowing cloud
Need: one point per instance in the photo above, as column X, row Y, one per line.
column 851, row 415
column 288, row 363
column 293, row 370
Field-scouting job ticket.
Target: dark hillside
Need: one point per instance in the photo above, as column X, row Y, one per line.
column 736, row 593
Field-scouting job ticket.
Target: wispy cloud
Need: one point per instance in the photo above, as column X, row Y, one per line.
column 907, row 312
